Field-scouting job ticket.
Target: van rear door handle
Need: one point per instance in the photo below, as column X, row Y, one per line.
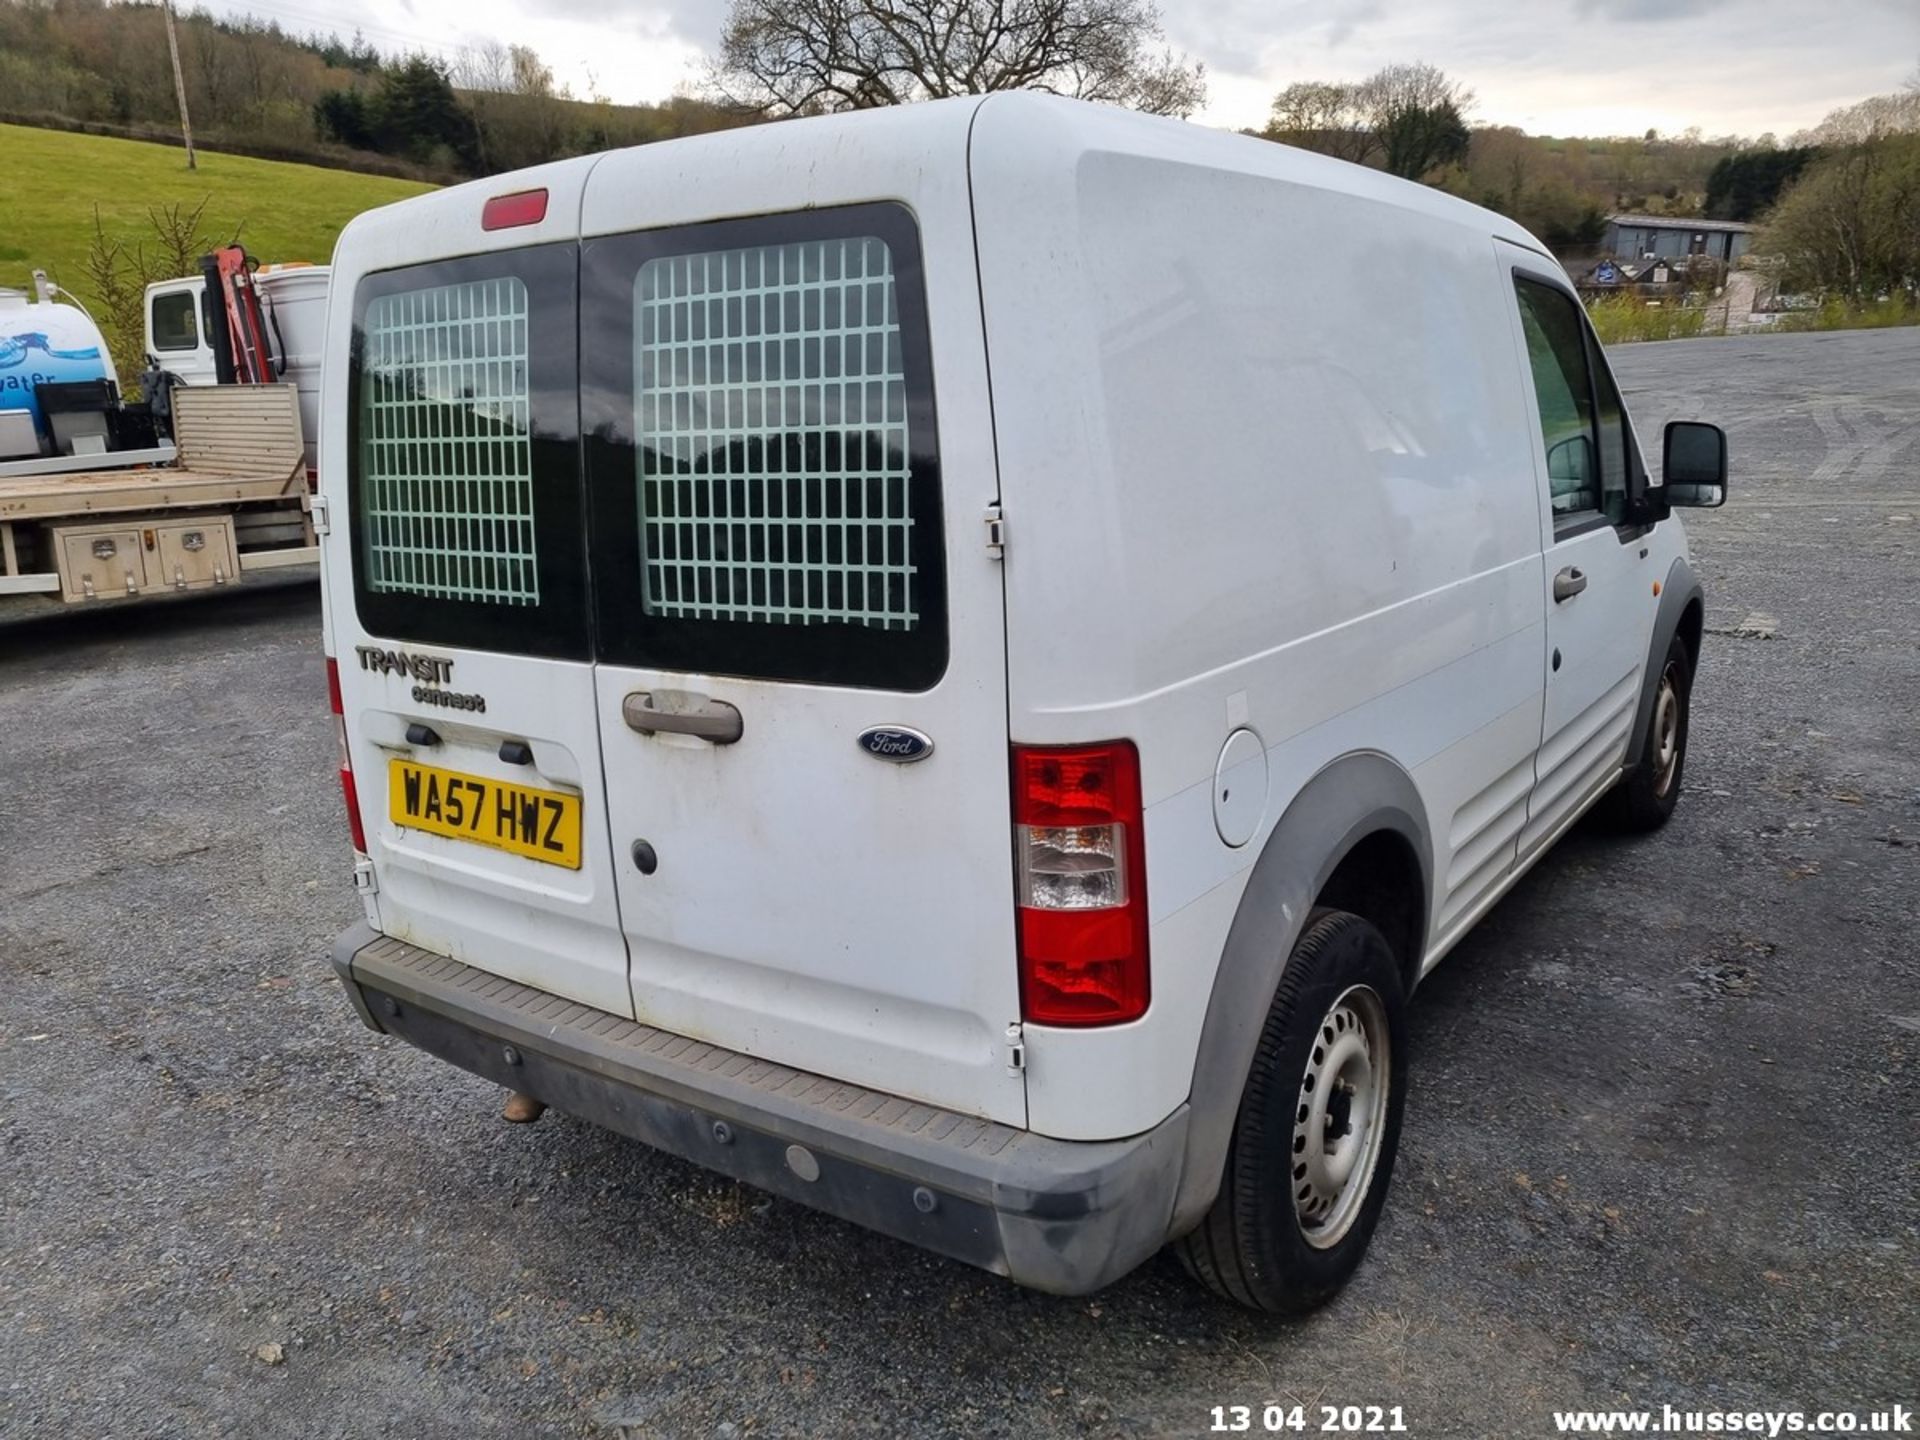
column 1569, row 583
column 680, row 712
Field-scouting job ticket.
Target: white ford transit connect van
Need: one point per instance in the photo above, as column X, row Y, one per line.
column 958, row 664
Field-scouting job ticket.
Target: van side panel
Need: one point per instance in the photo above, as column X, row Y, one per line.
column 1261, row 440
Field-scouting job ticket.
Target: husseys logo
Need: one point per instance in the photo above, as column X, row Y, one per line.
column 429, row 669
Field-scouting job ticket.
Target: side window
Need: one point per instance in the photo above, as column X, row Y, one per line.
column 1616, row 447
column 761, row 458
column 1582, row 423
column 175, row 326
column 463, row 472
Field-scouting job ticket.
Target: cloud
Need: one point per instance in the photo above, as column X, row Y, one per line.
column 1552, row 66
column 1350, row 19
column 696, row 21
column 1631, row 11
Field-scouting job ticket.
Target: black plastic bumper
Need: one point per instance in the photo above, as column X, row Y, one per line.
column 1060, row 1215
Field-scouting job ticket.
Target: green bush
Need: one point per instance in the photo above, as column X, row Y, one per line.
column 1619, row 319
column 1838, row 313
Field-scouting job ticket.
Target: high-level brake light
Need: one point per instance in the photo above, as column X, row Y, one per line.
column 522, row 207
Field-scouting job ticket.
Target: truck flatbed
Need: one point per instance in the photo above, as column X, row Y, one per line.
column 238, row 458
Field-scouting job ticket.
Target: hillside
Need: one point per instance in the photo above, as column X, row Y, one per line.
column 53, row 180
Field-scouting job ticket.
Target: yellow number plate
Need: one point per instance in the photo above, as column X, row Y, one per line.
column 539, row 824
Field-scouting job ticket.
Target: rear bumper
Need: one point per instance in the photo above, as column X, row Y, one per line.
column 1059, row 1215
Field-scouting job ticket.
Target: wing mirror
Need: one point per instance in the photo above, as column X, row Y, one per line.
column 1694, row 464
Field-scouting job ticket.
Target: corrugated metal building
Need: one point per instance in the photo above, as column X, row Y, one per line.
column 1634, row 237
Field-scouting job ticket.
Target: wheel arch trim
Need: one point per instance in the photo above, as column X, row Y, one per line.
column 1359, row 794
column 1679, row 593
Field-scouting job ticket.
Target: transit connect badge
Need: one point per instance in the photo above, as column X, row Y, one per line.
column 896, row 743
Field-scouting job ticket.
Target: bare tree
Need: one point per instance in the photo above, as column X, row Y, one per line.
column 1326, row 116
column 1397, row 88
column 1418, row 113
column 795, row 56
column 531, row 75
column 1877, row 115
column 485, row 67
column 1410, row 117
column 118, row 273
column 520, row 116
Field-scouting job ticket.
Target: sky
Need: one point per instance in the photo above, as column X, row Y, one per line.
column 1551, row 67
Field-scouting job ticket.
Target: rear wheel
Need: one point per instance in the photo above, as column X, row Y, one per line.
column 1319, row 1123
column 1648, row 791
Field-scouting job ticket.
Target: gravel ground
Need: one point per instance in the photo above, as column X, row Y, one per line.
column 1661, row 1145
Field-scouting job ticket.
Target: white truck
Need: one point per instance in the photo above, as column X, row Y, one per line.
column 101, row 501
column 181, row 330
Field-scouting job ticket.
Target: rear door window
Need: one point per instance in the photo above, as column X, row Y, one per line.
column 463, row 437
column 761, row 459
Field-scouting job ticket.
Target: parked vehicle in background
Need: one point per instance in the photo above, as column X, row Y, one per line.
column 184, row 328
column 957, row 665
column 104, row 500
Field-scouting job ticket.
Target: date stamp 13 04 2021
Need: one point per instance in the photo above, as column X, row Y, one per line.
column 1280, row 1419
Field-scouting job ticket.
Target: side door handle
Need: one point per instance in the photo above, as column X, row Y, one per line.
column 1568, row 583
column 680, row 712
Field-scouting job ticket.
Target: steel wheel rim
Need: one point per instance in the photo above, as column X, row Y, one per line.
column 1666, row 733
column 1340, row 1118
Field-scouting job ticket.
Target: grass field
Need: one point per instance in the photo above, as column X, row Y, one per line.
column 51, row 181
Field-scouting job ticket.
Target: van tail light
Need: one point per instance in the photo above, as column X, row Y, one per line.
column 1081, row 883
column 346, row 761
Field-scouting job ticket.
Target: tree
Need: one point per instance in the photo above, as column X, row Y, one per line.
column 1850, row 225
column 1410, row 117
column 416, row 113
column 1418, row 114
column 343, row 117
column 118, row 271
column 1418, row 140
column 520, row 117
column 1500, row 165
column 798, row 56
column 487, row 67
column 1876, row 115
column 1325, row 116
column 1743, row 185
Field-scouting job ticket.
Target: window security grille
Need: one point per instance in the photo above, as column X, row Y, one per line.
column 774, row 454
column 447, row 470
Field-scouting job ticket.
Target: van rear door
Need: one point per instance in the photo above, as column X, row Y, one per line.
column 795, row 595
column 457, row 591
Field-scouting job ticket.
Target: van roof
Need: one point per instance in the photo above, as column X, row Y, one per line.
column 1079, row 129
column 1071, row 129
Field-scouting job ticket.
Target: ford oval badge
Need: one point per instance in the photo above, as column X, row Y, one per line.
column 896, row 743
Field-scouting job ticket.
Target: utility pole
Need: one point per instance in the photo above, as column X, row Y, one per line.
column 179, row 84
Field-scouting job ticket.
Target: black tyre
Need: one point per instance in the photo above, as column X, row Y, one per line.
column 1319, row 1122
column 1648, row 791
